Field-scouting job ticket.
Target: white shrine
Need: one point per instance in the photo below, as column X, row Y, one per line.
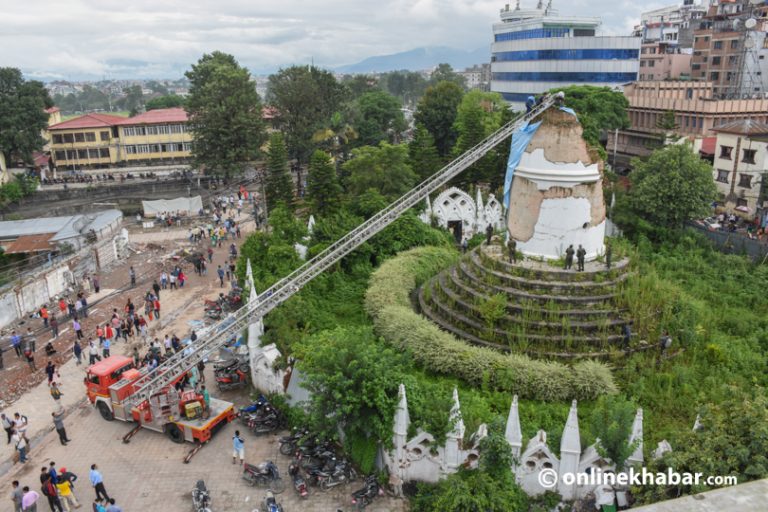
column 556, row 195
column 454, row 210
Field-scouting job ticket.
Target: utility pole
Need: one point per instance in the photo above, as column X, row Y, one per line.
column 615, row 144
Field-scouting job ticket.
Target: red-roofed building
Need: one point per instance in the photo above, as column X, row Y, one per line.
column 94, row 141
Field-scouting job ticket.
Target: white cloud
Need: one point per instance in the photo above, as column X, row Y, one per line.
column 71, row 37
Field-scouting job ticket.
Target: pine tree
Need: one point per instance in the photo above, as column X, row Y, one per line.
column 279, row 183
column 422, row 154
column 323, row 184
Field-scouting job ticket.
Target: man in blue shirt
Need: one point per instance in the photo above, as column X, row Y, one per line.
column 238, row 447
column 112, row 507
column 98, row 483
column 16, row 343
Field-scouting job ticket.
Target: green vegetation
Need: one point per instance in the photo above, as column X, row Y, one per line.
column 224, row 113
column 384, row 168
column 379, row 118
column 279, row 189
column 22, row 116
column 669, row 188
column 437, row 112
column 323, row 186
column 388, row 302
column 167, row 101
column 612, row 420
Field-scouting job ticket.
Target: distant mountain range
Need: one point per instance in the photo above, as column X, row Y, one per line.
column 418, row 59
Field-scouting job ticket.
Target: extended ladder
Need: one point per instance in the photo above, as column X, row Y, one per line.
column 216, row 336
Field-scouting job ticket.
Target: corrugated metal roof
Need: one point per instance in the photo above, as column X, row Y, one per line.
column 160, row 115
column 743, row 127
column 30, row 243
column 58, row 228
column 88, row 121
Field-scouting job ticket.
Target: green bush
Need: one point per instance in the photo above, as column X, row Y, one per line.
column 388, row 303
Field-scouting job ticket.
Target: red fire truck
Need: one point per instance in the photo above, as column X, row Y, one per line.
column 179, row 415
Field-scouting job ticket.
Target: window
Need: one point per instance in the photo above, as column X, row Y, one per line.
column 587, row 54
column 60, row 155
column 715, row 61
column 187, row 146
column 104, row 136
column 749, row 156
column 130, row 150
column 741, row 202
column 90, row 137
column 745, row 180
column 651, row 63
column 79, row 137
column 642, row 63
column 644, row 50
column 82, row 154
column 93, row 153
column 734, row 44
column 722, row 176
column 695, row 66
column 555, row 76
column 104, row 153
column 689, row 93
column 725, row 152
column 536, row 33
column 583, row 32
column 714, row 75
column 178, row 128
column 57, row 139
column 718, row 45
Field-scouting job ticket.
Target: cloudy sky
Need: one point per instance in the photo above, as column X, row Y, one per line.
column 73, row 39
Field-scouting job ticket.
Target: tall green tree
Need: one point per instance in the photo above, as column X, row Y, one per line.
column 444, row 73
column 224, row 114
column 360, row 84
column 422, row 154
column 279, row 187
column 305, row 97
column 669, row 127
column 479, row 114
column 409, row 86
column 671, row 187
column 612, row 420
column 384, row 168
column 379, row 118
column 168, row 101
column 22, row 116
column 336, row 136
column 437, row 113
column 323, row 184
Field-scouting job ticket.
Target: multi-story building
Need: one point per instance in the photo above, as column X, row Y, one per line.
column 535, row 50
column 155, row 136
column 672, row 25
column 477, row 77
column 740, row 167
column 695, row 109
column 663, row 61
column 94, row 141
column 730, row 49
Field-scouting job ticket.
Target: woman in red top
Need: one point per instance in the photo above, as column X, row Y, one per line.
column 181, row 279
column 62, row 306
column 100, row 334
column 156, row 305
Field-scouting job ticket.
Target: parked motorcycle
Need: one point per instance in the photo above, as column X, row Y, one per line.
column 265, row 474
column 254, row 407
column 201, row 498
column 265, row 421
column 361, row 498
column 299, row 484
column 270, row 504
column 342, row 473
column 289, row 444
column 232, row 377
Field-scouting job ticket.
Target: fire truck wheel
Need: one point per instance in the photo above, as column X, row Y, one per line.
column 105, row 412
column 174, row 433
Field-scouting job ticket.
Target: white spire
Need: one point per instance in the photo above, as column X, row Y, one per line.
column 311, row 224
column 456, row 420
column 571, row 440
column 513, row 433
column 402, row 419
column 479, row 201
column 637, row 435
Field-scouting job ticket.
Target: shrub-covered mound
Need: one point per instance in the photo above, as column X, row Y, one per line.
column 388, row 302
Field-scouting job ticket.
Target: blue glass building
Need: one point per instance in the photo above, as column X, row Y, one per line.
column 535, row 50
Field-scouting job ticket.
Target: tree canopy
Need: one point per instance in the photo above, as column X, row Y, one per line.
column 22, row 116
column 598, row 108
column 409, row 86
column 279, row 187
column 133, row 101
column 444, row 73
column 379, row 118
column 612, row 420
column 323, row 186
column 305, row 98
column 437, row 112
column 422, row 154
column 224, row 113
column 168, row 101
column 384, row 168
column 671, row 187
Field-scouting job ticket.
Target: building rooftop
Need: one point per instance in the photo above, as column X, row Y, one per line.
column 88, row 121
column 161, row 115
column 35, row 233
column 743, row 127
